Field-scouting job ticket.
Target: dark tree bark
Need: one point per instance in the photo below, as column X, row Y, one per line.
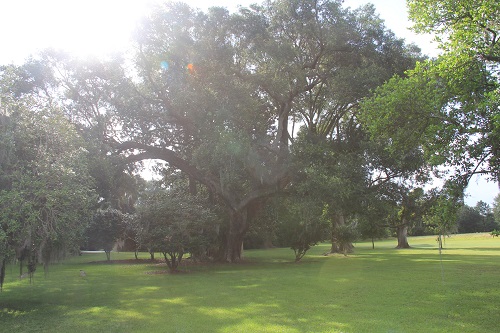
column 238, row 225
column 338, row 220
column 3, row 263
column 173, row 259
column 402, row 233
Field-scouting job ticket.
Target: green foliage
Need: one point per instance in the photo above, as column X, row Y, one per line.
column 174, row 223
column 301, row 224
column 447, row 107
column 467, row 26
column 217, row 92
column 496, row 209
column 106, row 228
column 469, row 220
column 371, row 221
column 476, row 219
column 441, row 215
column 345, row 235
column 46, row 193
column 214, row 94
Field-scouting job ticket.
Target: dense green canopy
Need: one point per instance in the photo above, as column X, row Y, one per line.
column 448, row 106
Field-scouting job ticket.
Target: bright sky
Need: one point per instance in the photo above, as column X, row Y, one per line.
column 100, row 27
column 89, row 27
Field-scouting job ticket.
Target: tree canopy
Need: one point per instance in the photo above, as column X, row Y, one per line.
column 46, row 192
column 449, row 106
column 216, row 94
column 249, row 105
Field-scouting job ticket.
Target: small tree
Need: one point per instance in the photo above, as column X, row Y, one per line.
column 442, row 214
column 371, row 228
column 175, row 223
column 301, row 225
column 133, row 232
column 105, row 229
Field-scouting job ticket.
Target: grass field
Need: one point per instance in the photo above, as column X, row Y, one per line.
column 381, row 290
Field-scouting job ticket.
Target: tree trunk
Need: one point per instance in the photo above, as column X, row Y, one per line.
column 234, row 238
column 402, row 232
column 337, row 220
column 3, row 263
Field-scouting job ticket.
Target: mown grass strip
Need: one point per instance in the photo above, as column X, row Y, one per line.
column 381, row 290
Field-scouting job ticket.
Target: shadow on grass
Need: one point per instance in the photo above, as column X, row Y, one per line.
column 370, row 291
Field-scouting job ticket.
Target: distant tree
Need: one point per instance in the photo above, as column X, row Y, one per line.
column 106, row 228
column 371, row 223
column 469, row 220
column 134, row 232
column 488, row 220
column 476, row 219
column 441, row 214
column 496, row 209
column 404, row 212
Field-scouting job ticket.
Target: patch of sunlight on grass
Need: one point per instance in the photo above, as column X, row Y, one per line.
column 434, row 260
column 13, row 312
column 177, row 300
column 219, row 313
column 92, row 310
column 250, row 286
column 143, row 290
column 128, row 314
column 251, row 309
column 105, row 312
column 341, row 280
column 252, row 326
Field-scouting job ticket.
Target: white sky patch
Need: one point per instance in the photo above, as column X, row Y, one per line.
column 101, row 27
column 90, row 27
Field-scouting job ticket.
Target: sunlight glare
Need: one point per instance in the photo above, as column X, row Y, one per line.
column 82, row 28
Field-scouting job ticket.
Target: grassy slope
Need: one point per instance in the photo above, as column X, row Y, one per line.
column 381, row 290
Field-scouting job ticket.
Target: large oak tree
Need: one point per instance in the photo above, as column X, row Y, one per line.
column 216, row 92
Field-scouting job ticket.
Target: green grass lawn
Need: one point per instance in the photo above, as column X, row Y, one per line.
column 381, row 290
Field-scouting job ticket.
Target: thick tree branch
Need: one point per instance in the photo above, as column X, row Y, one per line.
column 169, row 156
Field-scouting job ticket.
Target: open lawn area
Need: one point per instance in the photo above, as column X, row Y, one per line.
column 381, row 290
